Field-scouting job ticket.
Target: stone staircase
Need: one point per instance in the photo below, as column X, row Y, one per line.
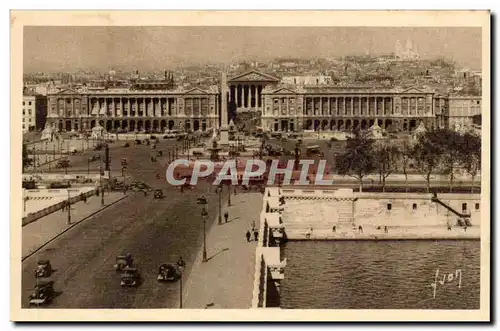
column 344, row 210
column 299, row 223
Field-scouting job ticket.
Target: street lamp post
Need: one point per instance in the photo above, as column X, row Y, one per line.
column 180, row 291
column 204, row 215
column 229, row 194
column 203, row 201
column 100, row 184
column 219, row 189
column 69, row 208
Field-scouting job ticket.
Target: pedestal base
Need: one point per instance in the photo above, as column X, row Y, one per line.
column 224, row 138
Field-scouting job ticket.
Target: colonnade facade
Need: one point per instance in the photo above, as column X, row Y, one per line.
column 130, row 113
column 246, row 90
column 246, row 97
column 297, row 112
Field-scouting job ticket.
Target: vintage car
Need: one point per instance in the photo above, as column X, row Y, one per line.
column 123, row 261
column 158, row 193
column 130, row 277
column 44, row 269
column 56, row 185
column 42, row 294
column 159, row 153
column 94, row 157
column 126, row 145
column 139, row 186
column 313, row 150
column 277, row 135
column 137, row 141
column 64, row 163
column 169, row 273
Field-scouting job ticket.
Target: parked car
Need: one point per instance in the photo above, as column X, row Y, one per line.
column 60, row 185
column 64, row 163
column 43, row 293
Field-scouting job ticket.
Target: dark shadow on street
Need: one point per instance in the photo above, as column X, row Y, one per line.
column 223, row 250
column 231, row 220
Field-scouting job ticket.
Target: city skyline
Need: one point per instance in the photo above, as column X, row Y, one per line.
column 156, row 48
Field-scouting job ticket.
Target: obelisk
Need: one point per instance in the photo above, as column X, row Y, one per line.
column 224, row 134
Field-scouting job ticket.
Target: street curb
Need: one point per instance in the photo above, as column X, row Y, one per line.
column 73, row 225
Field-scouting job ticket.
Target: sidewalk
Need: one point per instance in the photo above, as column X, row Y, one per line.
column 39, row 232
column 226, row 279
column 394, row 233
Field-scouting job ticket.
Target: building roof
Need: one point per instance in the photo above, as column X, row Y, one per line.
column 333, row 89
column 124, row 91
column 254, row 76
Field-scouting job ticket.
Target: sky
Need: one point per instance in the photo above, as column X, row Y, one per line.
column 51, row 48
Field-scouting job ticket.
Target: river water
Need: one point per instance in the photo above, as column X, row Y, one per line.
column 381, row 275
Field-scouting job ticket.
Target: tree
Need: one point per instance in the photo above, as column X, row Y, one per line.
column 471, row 154
column 405, row 153
column 452, row 151
column 427, row 154
column 385, row 161
column 358, row 159
column 27, row 161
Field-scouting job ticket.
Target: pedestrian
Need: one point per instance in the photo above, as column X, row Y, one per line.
column 465, row 228
column 386, row 230
column 449, row 227
column 248, row 236
column 84, row 198
column 226, row 216
column 360, row 228
column 256, row 235
column 334, row 229
column 253, row 225
column 97, row 191
column 181, row 264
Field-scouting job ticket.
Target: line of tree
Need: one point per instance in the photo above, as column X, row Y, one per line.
column 432, row 152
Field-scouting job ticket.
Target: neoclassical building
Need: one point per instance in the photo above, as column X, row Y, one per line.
column 245, row 90
column 156, row 106
column 132, row 109
column 295, row 108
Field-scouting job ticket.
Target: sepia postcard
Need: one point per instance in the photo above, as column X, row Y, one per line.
column 250, row 166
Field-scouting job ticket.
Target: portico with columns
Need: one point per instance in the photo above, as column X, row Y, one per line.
column 131, row 111
column 245, row 90
column 322, row 109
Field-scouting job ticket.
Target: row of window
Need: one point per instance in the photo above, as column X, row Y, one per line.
column 29, row 103
column 29, row 112
column 29, row 120
column 414, row 206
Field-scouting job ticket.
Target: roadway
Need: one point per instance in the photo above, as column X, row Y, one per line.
column 153, row 231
